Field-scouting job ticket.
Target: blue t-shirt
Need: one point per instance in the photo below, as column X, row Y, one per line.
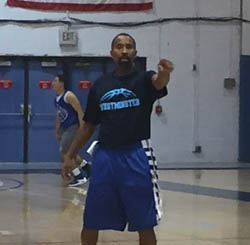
column 122, row 105
column 65, row 112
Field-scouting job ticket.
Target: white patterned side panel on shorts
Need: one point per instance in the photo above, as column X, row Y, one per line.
column 154, row 172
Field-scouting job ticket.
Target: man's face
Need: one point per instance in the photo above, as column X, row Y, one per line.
column 56, row 84
column 123, row 52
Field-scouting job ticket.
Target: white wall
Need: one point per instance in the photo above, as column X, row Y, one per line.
column 198, row 110
column 246, row 28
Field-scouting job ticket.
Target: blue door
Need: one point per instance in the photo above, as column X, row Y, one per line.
column 244, row 134
column 84, row 72
column 11, row 111
column 27, row 112
column 42, row 145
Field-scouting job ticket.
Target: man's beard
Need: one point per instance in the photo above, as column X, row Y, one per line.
column 125, row 64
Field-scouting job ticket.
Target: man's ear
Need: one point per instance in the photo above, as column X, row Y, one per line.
column 111, row 52
column 135, row 54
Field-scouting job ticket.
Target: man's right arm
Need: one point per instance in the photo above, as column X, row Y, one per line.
column 83, row 134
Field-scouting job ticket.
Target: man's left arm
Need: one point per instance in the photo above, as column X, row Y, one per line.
column 161, row 79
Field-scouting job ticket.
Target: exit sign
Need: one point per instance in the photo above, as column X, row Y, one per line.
column 68, row 38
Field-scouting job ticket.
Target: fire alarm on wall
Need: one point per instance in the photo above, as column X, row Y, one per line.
column 158, row 108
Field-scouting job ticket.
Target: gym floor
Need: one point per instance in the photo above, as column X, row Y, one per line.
column 201, row 207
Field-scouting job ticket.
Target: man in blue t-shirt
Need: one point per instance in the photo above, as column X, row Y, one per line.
column 122, row 184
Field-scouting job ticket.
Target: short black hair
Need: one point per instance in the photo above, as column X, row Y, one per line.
column 123, row 34
column 62, row 79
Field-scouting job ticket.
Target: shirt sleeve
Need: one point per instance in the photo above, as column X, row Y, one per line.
column 154, row 93
column 92, row 112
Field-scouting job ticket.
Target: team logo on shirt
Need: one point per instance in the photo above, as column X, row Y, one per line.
column 117, row 99
column 62, row 114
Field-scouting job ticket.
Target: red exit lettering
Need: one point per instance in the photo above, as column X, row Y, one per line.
column 84, row 84
column 5, row 84
column 44, row 84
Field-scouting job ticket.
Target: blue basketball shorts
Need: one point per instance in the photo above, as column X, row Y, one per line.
column 122, row 190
